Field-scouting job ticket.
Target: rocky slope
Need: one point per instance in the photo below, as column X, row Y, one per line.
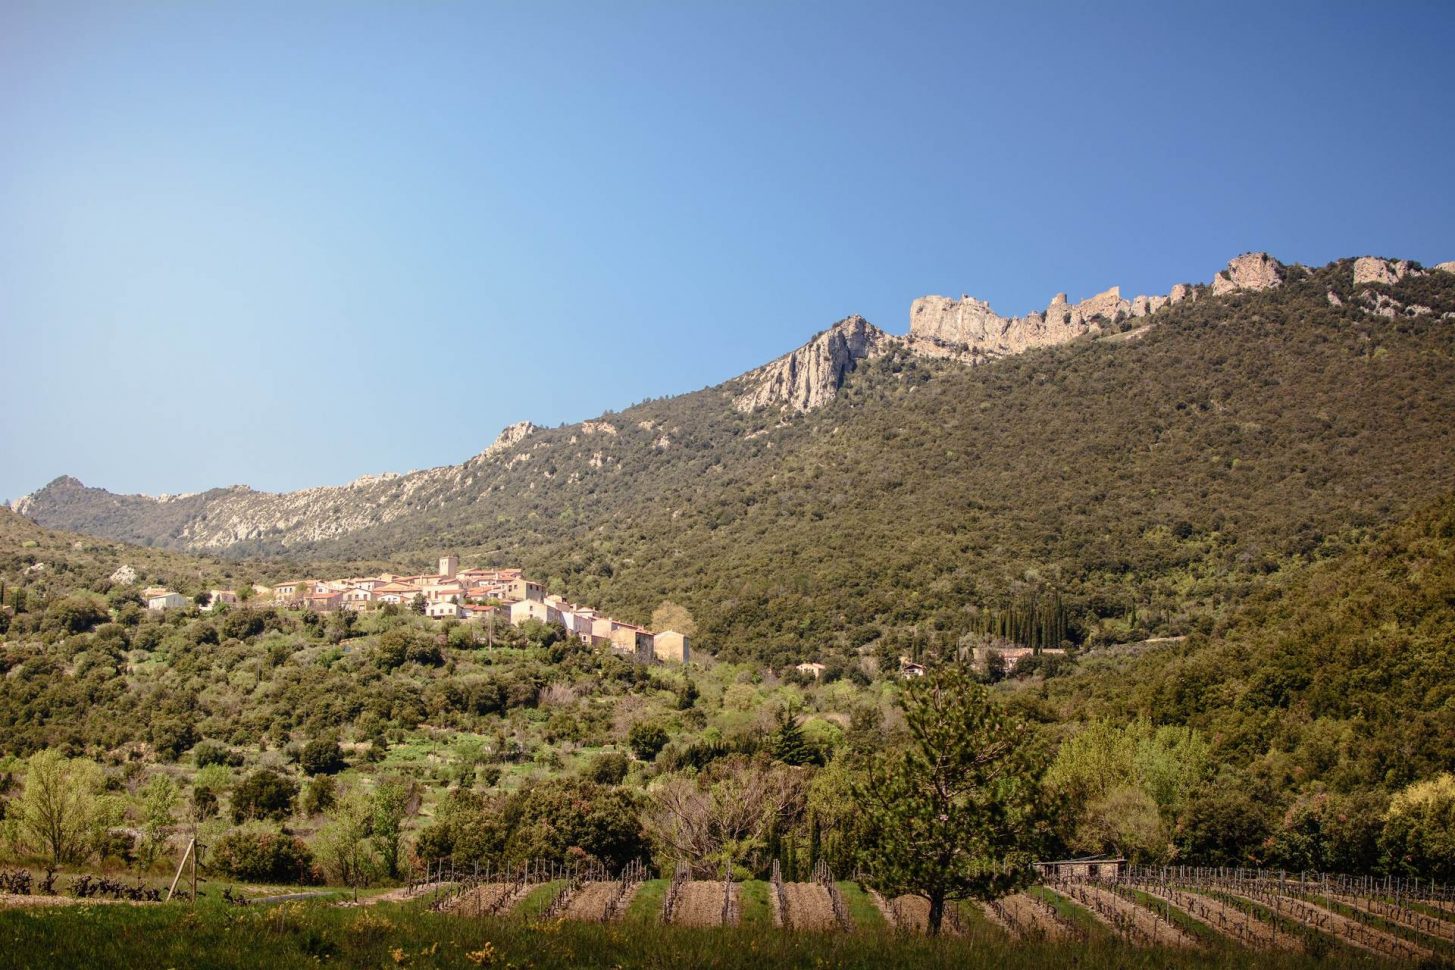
column 612, row 448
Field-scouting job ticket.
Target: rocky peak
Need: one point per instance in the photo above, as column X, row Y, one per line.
column 810, row 376
column 509, row 438
column 1250, row 271
column 1372, row 269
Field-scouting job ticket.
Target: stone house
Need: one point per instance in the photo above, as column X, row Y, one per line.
column 444, row 610
column 632, row 642
column 221, row 597
column 528, row 609
column 672, row 647
column 358, row 598
column 166, row 600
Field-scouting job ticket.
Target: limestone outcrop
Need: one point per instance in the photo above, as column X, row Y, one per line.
column 1446, row 267
column 1371, row 269
column 1250, row 271
column 810, row 376
column 968, row 328
column 509, row 438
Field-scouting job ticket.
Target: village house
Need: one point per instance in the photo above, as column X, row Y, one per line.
column 400, row 594
column 166, row 600
column 632, row 642
column 524, row 610
column 358, row 598
column 672, row 647
column 292, row 591
column 444, row 609
column 221, row 597
column 327, row 601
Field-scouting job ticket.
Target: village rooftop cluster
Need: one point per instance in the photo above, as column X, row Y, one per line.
column 481, row 595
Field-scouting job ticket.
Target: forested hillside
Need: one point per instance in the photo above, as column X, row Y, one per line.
column 1329, row 689
column 1143, row 479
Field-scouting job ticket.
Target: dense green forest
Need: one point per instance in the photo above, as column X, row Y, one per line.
column 1310, row 727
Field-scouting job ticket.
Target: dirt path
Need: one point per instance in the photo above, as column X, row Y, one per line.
column 590, row 902
column 809, row 907
column 484, row 899
column 700, row 904
column 13, row 901
column 1235, row 924
column 1025, row 917
column 1340, row 927
column 1133, row 923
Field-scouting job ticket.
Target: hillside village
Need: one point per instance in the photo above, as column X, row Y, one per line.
column 475, row 594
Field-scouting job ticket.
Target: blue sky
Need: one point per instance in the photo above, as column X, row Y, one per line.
column 287, row 244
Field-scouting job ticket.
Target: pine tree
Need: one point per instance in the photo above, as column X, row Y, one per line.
column 789, row 744
column 959, row 812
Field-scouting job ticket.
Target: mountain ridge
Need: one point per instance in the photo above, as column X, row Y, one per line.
column 804, row 380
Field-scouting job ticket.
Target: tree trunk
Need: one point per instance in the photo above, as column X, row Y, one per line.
column 937, row 913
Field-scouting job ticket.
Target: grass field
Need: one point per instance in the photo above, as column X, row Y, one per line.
column 315, row 933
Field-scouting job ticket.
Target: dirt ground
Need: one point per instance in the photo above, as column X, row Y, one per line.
column 1027, row 917
column 700, row 904
column 478, row 900
column 1347, row 930
column 1147, row 925
column 1220, row 916
column 590, row 901
column 809, row 907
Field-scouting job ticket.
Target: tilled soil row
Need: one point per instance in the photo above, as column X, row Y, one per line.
column 1340, row 927
column 1026, row 917
column 590, row 902
column 1238, row 925
column 699, row 904
column 481, row 900
column 809, row 907
column 1135, row 924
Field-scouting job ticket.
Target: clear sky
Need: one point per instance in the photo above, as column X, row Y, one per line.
column 290, row 243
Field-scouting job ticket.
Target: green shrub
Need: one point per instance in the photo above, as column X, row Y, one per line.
column 264, row 794
column 264, row 856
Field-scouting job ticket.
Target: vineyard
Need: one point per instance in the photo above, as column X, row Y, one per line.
column 1183, row 908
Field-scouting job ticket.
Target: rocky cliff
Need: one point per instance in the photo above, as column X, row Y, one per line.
column 969, row 329
column 810, row 376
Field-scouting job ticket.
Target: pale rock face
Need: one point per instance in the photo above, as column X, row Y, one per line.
column 810, row 376
column 1371, row 269
column 124, row 575
column 1250, row 271
column 1446, row 267
column 598, row 427
column 509, row 438
column 937, row 324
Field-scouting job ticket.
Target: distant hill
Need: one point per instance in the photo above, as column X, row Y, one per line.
column 1142, row 460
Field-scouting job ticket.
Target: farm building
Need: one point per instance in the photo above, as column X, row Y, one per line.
column 1095, row 867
